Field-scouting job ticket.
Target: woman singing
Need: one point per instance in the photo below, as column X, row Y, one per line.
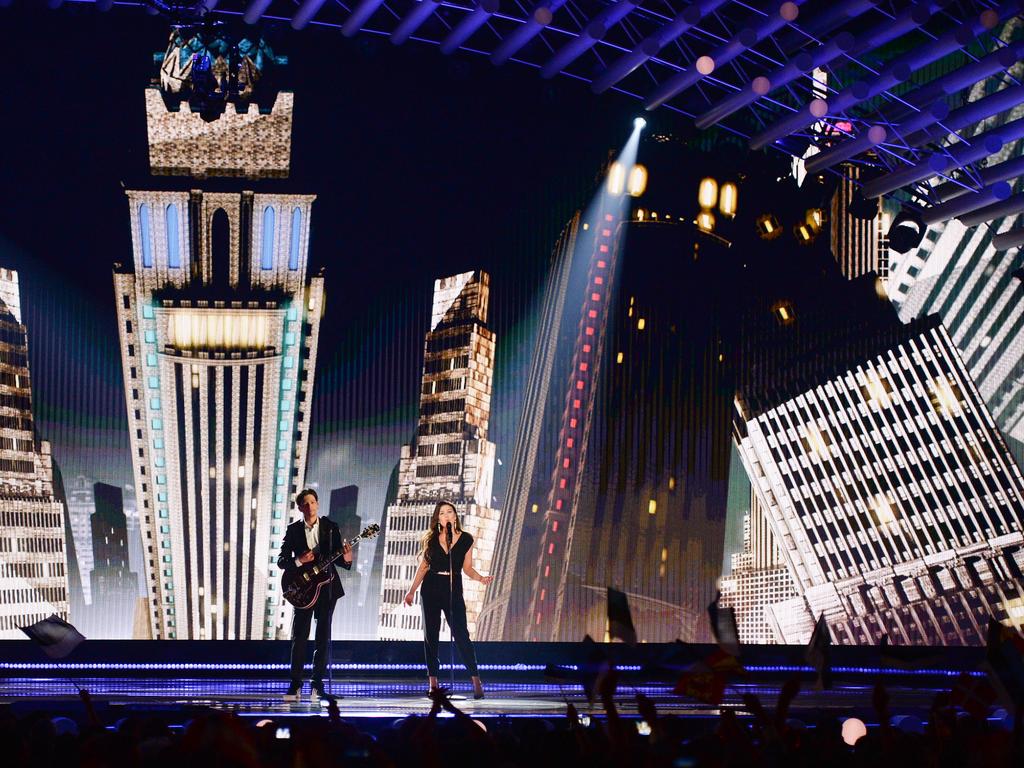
column 441, row 577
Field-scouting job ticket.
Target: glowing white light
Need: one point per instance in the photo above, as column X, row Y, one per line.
column 853, row 730
column 728, row 199
column 616, row 179
column 705, row 65
column 639, row 123
column 707, row 193
column 637, row 182
column 216, row 329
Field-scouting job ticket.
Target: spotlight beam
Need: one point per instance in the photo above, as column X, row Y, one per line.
column 649, row 47
column 588, row 37
column 821, row 56
column 759, row 28
column 897, row 71
column 529, row 29
column 470, row 23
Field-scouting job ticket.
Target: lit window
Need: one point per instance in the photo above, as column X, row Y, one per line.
column 293, row 250
column 173, row 246
column 652, row 507
column 147, row 243
column 267, row 252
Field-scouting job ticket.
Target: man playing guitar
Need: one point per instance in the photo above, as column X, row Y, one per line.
column 304, row 541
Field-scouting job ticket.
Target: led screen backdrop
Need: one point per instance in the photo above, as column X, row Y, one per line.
column 302, row 287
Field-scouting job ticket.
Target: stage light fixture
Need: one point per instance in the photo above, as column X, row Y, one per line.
column 616, row 179
column 637, row 181
column 906, row 232
column 728, row 199
column 705, row 221
column 803, row 233
column 639, row 123
column 707, row 193
column 815, row 219
column 863, row 208
column 768, row 227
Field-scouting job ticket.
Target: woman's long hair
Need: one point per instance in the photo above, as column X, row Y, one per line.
column 435, row 528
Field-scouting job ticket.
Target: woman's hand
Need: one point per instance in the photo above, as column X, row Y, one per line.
column 485, row 580
column 409, row 597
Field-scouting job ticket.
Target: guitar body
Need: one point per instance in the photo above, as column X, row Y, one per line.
column 302, row 586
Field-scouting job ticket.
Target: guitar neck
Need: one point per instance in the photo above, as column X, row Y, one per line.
column 341, row 551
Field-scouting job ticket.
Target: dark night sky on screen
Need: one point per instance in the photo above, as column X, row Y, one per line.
column 424, row 166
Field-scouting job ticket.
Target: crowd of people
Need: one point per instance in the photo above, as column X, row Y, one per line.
column 753, row 735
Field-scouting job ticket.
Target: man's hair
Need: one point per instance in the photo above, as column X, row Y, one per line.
column 305, row 492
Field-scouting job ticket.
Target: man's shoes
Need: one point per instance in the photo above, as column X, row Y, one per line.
column 294, row 692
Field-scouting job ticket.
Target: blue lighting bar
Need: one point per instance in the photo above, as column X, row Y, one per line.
column 896, row 72
column 412, row 21
column 306, row 12
column 804, row 63
column 747, row 38
column 255, row 10
column 529, row 29
column 650, row 46
column 969, row 114
column 360, row 15
column 1007, row 206
column 1010, row 169
column 964, row 204
column 981, row 146
column 587, row 38
column 470, row 23
column 936, row 91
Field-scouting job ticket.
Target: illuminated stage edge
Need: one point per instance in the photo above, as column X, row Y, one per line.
column 382, row 681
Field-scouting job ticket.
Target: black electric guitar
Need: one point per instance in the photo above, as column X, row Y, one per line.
column 301, row 586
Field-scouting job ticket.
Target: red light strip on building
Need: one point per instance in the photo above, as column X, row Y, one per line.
column 559, row 517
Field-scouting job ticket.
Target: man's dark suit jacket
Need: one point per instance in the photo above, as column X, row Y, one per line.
column 294, row 545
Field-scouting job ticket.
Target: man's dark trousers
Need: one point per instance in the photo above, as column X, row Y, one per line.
column 323, row 611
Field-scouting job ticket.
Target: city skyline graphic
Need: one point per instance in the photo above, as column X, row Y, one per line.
column 306, row 292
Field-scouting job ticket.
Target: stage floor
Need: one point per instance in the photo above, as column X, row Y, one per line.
column 367, row 698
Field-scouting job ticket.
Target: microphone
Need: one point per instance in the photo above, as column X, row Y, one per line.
column 448, row 532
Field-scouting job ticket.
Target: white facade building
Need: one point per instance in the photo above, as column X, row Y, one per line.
column 218, row 324
column 33, row 559
column 892, row 495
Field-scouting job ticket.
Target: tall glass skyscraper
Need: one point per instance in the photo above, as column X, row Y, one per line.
column 218, row 323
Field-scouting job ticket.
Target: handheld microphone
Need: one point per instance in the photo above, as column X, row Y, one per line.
column 448, row 531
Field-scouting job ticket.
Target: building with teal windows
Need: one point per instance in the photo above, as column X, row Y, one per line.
column 218, row 323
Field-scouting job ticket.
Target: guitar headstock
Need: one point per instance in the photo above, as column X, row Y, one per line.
column 370, row 531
